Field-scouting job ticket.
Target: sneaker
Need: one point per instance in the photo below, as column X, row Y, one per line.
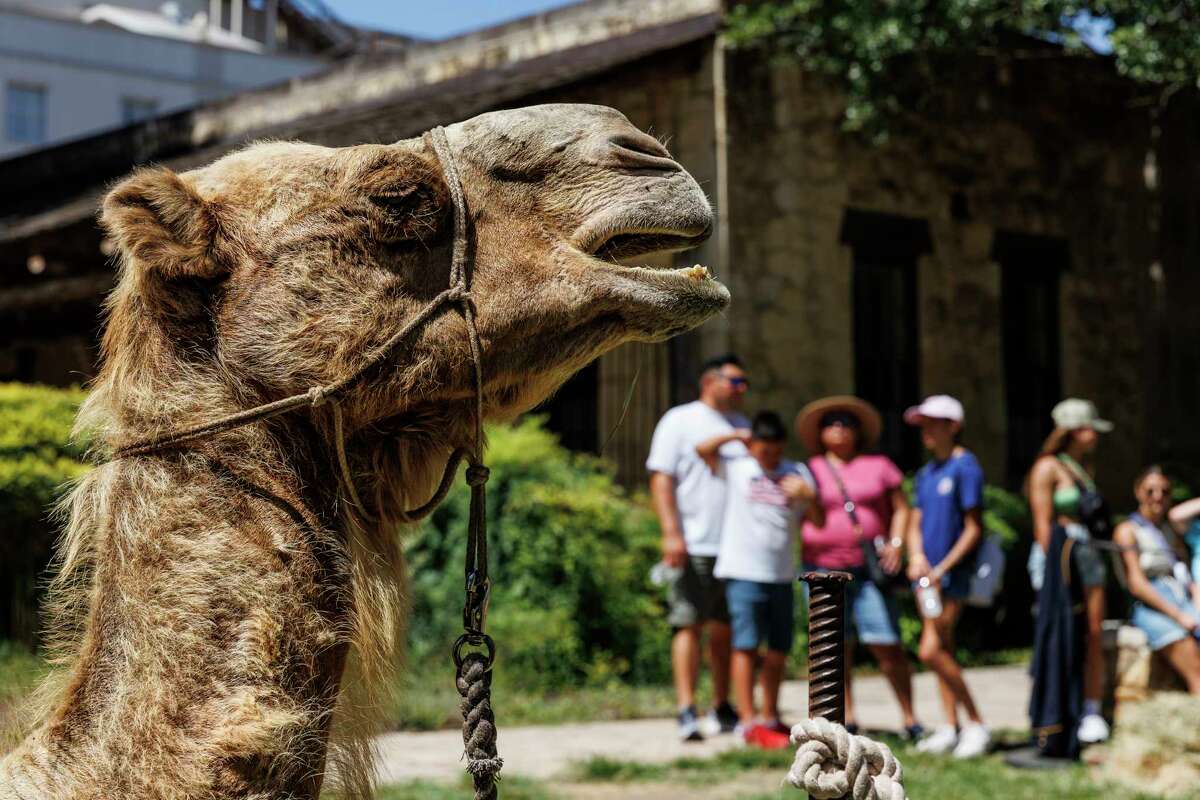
column 974, row 741
column 762, row 737
column 721, row 719
column 689, row 726
column 913, row 732
column 1093, row 729
column 778, row 726
column 942, row 740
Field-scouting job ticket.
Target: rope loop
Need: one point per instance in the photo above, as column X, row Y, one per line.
column 317, row 396
column 477, row 475
column 831, row 762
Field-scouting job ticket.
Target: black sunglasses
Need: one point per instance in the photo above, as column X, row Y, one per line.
column 843, row 418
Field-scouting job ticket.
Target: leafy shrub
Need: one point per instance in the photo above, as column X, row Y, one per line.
column 570, row 555
column 37, row 460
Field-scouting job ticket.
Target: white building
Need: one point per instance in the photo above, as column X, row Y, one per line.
column 70, row 68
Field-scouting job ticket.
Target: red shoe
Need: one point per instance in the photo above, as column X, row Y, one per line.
column 765, row 738
column 779, row 727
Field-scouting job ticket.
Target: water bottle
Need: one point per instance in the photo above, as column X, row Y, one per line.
column 929, row 599
column 663, row 574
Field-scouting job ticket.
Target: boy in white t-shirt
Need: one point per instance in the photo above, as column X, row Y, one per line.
column 766, row 498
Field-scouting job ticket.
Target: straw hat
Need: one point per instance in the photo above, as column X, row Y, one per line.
column 808, row 421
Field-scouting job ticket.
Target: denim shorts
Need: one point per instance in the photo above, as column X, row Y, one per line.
column 761, row 612
column 1160, row 629
column 872, row 611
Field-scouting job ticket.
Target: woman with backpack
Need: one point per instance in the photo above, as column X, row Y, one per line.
column 1063, row 495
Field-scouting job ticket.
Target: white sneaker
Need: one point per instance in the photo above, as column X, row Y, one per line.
column 942, row 740
column 974, row 741
column 1093, row 729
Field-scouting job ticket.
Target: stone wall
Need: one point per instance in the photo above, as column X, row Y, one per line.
column 1041, row 148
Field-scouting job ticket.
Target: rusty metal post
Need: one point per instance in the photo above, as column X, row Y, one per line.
column 827, row 645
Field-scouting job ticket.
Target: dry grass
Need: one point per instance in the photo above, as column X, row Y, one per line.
column 1156, row 746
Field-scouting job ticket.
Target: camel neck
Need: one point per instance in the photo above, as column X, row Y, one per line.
column 216, row 626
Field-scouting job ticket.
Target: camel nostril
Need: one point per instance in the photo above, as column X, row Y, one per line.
column 642, row 143
column 642, row 153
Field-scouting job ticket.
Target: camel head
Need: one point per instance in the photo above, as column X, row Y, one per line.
column 279, row 266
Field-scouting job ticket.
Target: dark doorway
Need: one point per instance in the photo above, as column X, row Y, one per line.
column 886, row 332
column 1030, row 271
column 572, row 413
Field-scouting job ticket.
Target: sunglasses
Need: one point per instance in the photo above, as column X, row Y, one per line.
column 737, row 383
column 843, row 418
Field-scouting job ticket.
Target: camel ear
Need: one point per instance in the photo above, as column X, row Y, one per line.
column 163, row 225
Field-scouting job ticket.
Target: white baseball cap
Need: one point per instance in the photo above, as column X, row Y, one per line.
column 938, row 406
column 1075, row 413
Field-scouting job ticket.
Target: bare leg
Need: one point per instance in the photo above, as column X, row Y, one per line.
column 741, row 672
column 894, row 665
column 685, row 664
column 719, row 635
column 1184, row 657
column 1093, row 668
column 937, row 652
column 772, row 675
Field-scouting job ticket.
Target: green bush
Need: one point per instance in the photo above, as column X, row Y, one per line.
column 37, row 461
column 570, row 556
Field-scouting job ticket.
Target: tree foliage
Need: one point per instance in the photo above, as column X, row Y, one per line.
column 37, row 461
column 858, row 43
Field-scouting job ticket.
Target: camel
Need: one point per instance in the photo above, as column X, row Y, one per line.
column 224, row 621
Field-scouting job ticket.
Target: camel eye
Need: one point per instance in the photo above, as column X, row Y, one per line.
column 399, row 201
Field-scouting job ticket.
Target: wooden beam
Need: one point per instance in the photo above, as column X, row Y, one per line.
column 47, row 294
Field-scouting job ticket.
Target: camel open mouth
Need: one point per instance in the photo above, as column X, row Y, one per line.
column 630, row 244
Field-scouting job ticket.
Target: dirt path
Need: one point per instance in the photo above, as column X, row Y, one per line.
column 548, row 751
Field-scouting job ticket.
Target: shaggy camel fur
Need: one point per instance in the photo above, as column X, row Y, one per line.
column 225, row 622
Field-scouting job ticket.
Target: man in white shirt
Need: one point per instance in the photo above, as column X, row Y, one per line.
column 690, row 502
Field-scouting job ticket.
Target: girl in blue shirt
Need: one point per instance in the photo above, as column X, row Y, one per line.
column 944, row 529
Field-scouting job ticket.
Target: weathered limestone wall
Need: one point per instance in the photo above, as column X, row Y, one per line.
column 1026, row 152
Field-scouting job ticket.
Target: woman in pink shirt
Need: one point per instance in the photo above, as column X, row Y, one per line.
column 865, row 506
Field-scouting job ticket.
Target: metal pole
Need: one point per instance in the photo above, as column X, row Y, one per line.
column 827, row 645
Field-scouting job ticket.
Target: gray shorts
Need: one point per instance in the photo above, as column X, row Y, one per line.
column 696, row 596
column 1087, row 559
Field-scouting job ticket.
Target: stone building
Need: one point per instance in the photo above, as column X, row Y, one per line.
column 1030, row 235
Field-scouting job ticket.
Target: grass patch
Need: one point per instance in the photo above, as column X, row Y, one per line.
column 427, row 700
column 601, row 769
column 20, row 671
column 924, row 776
column 510, row 789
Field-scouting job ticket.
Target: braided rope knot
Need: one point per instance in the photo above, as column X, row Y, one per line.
column 477, row 475
column 317, row 396
column 457, row 293
column 474, row 683
column 831, row 762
